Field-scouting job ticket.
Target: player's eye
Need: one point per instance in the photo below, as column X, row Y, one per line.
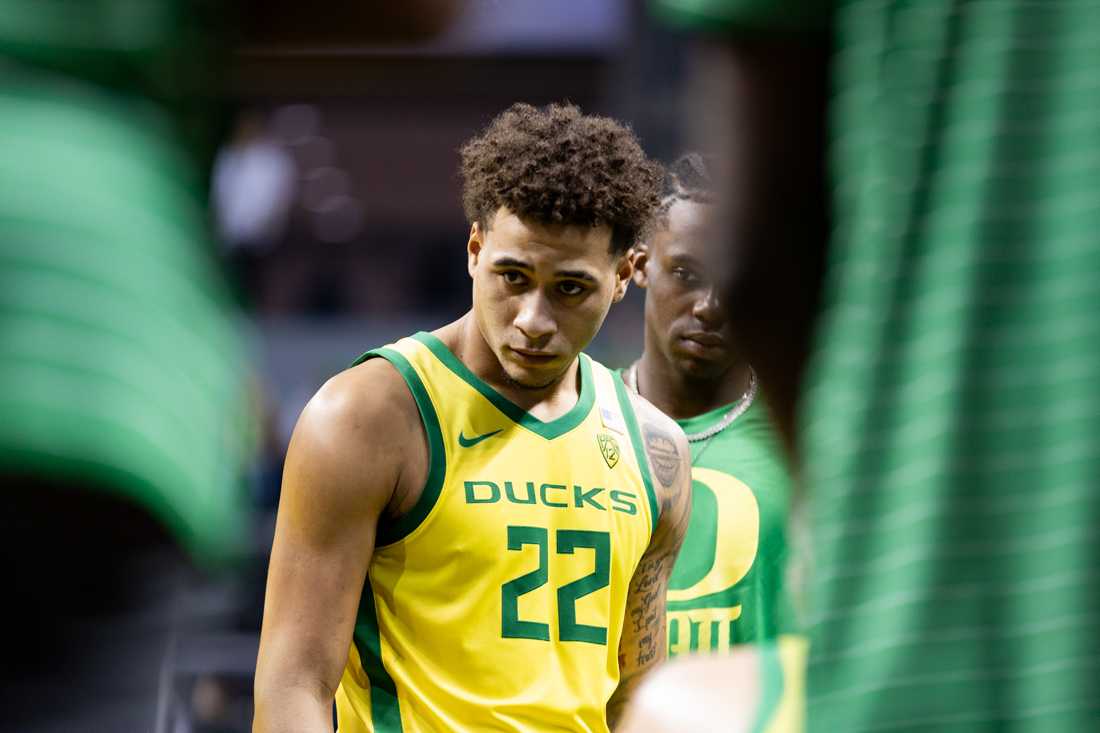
column 514, row 277
column 682, row 273
column 570, row 288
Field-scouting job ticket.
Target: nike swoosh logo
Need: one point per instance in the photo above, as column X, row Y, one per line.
column 471, row 442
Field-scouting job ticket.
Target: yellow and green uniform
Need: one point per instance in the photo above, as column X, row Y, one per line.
column 497, row 602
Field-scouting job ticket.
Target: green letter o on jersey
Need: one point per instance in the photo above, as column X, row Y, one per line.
column 718, row 551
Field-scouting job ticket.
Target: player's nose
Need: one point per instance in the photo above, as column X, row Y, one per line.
column 536, row 318
column 708, row 309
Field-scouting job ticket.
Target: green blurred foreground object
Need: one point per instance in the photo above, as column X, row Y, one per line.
column 119, row 367
column 950, row 413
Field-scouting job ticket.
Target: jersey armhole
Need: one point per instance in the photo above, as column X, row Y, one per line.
column 639, row 448
column 400, row 528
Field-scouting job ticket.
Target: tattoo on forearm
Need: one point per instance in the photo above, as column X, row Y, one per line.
column 662, row 454
column 644, row 629
column 644, row 616
column 647, row 650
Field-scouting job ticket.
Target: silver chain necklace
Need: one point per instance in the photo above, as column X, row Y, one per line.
column 736, row 410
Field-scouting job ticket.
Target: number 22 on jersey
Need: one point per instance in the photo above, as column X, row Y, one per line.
column 568, row 541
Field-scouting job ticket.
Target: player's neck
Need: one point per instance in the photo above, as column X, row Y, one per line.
column 681, row 396
column 465, row 341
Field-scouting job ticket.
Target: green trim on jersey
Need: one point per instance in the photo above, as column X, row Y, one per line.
column 437, row 456
column 385, row 708
column 549, row 430
column 639, row 447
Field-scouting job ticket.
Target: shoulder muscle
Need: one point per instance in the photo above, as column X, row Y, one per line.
column 353, row 443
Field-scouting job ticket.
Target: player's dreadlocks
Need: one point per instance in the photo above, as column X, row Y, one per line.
column 556, row 165
column 688, row 179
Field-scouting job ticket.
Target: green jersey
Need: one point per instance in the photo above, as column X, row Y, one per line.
column 727, row 585
column 952, row 407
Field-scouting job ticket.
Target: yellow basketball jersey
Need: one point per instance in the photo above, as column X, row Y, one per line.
column 497, row 603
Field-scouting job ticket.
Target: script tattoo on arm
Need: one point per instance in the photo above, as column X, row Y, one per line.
column 643, row 643
column 643, row 615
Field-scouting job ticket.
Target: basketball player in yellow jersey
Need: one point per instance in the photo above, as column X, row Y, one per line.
column 478, row 524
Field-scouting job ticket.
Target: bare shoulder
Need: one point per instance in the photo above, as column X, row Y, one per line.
column 367, row 401
column 355, row 439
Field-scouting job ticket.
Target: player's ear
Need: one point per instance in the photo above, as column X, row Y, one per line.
column 473, row 247
column 623, row 273
column 639, row 258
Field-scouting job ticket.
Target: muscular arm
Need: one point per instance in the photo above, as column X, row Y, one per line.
column 643, row 645
column 343, row 469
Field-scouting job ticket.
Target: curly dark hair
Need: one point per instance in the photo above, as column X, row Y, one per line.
column 556, row 165
column 688, row 179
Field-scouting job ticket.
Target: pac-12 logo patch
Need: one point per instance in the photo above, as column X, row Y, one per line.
column 609, row 447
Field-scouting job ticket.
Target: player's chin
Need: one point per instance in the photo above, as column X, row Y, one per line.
column 534, row 377
column 710, row 366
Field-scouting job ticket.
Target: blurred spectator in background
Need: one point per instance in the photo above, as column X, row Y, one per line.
column 943, row 397
column 253, row 188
